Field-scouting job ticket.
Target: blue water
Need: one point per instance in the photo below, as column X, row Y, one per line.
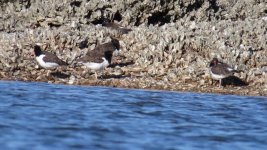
column 43, row 116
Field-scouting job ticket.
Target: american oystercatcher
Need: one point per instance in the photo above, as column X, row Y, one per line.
column 47, row 60
column 107, row 23
column 220, row 70
column 99, row 58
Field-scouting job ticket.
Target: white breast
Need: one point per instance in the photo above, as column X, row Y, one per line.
column 216, row 76
column 230, row 69
column 45, row 64
column 97, row 66
column 116, row 52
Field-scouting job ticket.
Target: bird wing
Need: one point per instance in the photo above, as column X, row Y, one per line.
column 118, row 27
column 104, row 50
column 49, row 57
column 124, row 30
column 220, row 70
column 228, row 67
column 112, row 25
column 104, row 47
column 92, row 56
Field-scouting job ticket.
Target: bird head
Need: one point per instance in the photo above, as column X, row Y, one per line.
column 115, row 43
column 37, row 50
column 214, row 62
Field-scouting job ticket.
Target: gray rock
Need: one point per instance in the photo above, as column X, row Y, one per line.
column 169, row 38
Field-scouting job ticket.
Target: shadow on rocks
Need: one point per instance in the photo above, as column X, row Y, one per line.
column 233, row 80
column 60, row 75
column 121, row 64
column 113, row 76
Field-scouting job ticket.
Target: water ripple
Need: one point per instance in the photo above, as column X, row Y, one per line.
column 45, row 116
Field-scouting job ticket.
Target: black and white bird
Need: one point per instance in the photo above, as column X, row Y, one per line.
column 107, row 23
column 220, row 70
column 47, row 60
column 113, row 45
column 99, row 58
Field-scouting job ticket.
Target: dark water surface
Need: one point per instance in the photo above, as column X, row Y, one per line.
column 41, row 116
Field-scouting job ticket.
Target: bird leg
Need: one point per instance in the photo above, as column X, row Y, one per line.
column 96, row 76
column 212, row 82
column 48, row 73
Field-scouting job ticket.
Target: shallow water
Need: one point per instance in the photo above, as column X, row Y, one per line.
column 43, row 116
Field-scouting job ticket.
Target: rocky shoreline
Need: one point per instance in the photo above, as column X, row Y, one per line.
column 169, row 48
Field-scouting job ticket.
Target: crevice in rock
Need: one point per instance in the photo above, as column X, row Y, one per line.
column 162, row 2
column 76, row 3
column 53, row 25
column 213, row 5
column 137, row 22
column 7, row 1
column 88, row 15
column 117, row 16
column 97, row 21
column 28, row 4
column 191, row 7
column 194, row 6
column 159, row 18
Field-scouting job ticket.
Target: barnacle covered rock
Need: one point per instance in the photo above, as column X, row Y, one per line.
column 169, row 47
